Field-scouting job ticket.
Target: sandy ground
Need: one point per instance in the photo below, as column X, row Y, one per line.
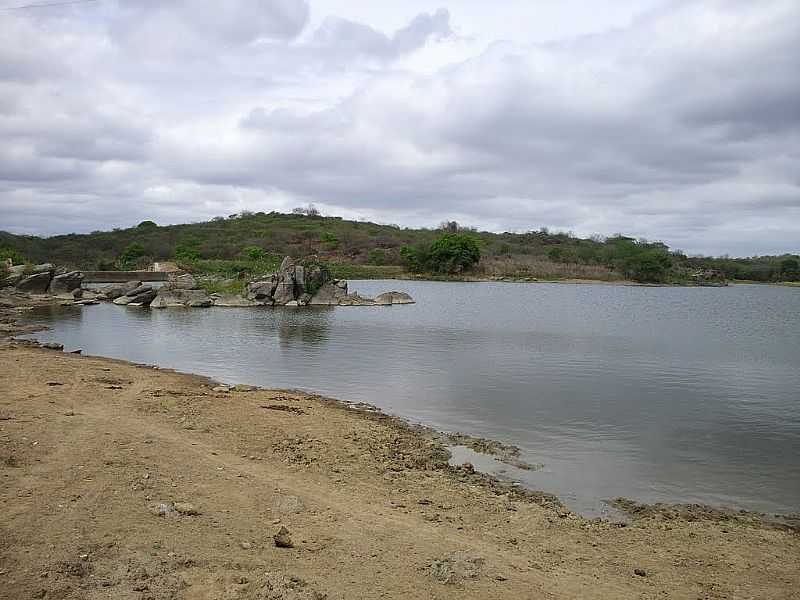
column 123, row 481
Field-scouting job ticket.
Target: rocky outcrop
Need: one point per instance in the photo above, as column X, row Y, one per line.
column 294, row 282
column 66, row 283
column 388, row 298
column 310, row 283
column 35, row 284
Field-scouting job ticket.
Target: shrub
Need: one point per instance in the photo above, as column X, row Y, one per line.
column 454, row 253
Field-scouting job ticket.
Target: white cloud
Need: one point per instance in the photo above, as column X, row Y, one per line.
column 681, row 123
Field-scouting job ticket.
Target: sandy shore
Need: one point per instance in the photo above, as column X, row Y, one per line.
column 128, row 482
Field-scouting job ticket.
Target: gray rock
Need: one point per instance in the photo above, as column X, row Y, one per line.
column 64, row 284
column 143, row 299
column 284, row 292
column 181, row 297
column 44, row 268
column 77, row 293
column 356, row 300
column 141, row 289
column 262, row 289
column 232, row 300
column 283, row 538
column 111, row 292
column 123, row 300
column 393, row 298
column 182, row 282
column 286, row 264
column 328, row 294
column 53, row 346
column 35, row 284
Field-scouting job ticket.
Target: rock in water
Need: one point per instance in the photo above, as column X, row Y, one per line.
column 139, row 290
column 283, row 539
column 181, row 297
column 66, row 283
column 388, row 298
column 114, row 291
column 35, row 284
column 329, row 293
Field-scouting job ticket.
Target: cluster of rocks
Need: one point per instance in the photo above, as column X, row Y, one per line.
column 294, row 284
column 44, row 279
column 311, row 284
column 181, row 290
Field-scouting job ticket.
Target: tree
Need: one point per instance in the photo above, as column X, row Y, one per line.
column 790, row 269
column 131, row 255
column 454, row 253
column 147, row 225
column 649, row 266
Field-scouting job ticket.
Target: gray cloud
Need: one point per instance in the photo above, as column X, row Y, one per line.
column 682, row 125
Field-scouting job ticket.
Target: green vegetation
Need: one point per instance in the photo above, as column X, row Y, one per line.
column 451, row 253
column 248, row 244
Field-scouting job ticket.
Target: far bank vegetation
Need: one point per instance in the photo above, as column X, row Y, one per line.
column 239, row 245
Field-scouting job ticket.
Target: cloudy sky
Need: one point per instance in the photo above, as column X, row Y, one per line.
column 667, row 119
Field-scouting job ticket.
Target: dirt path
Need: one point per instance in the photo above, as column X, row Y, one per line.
column 91, row 448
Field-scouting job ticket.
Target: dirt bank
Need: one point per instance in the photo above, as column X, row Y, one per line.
column 122, row 481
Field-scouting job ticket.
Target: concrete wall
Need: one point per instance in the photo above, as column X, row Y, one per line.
column 123, row 276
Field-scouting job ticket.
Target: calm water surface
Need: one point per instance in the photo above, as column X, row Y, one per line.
column 658, row 394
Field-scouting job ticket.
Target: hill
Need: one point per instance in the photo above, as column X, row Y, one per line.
column 246, row 241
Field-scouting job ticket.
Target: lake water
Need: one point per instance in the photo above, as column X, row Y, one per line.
column 657, row 394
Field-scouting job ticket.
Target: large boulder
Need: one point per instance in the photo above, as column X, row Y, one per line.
column 15, row 275
column 284, row 292
column 114, row 291
column 66, row 283
column 35, row 284
column 263, row 289
column 388, row 298
column 181, row 298
column 328, row 294
column 143, row 298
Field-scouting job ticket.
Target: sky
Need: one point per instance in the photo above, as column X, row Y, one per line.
column 671, row 120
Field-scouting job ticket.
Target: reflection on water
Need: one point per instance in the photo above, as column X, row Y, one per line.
column 659, row 394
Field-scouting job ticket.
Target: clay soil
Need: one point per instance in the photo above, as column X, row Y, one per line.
column 127, row 482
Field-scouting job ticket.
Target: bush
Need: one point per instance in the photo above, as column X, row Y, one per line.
column 254, row 252
column 454, row 253
column 16, row 257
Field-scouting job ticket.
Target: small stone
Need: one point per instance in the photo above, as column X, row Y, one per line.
column 640, row 572
column 241, row 387
column 283, row 539
column 186, row 508
column 246, row 545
